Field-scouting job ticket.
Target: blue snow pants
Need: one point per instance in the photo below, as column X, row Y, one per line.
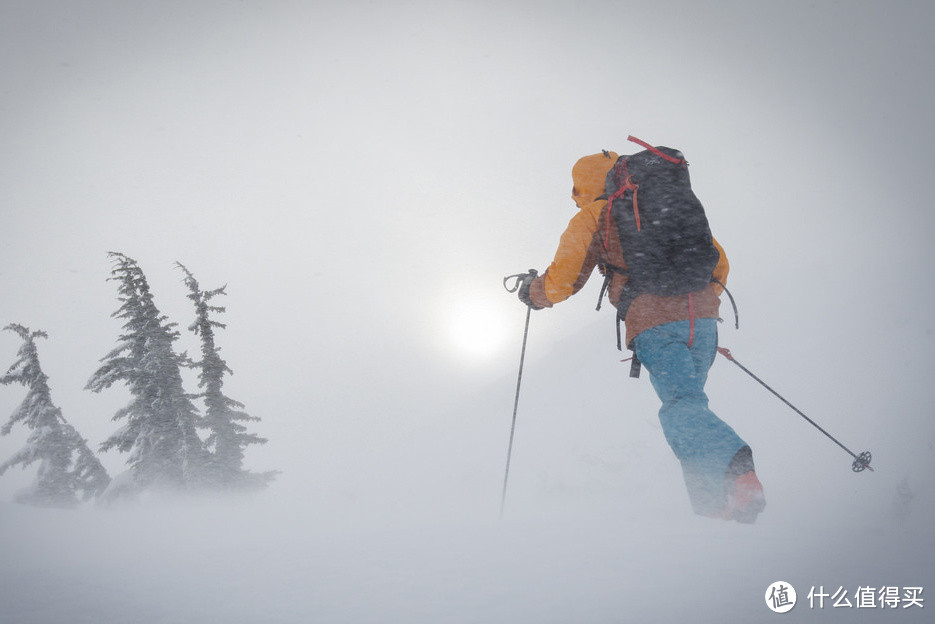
column 702, row 442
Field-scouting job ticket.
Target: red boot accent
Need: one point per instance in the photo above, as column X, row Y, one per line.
column 746, row 500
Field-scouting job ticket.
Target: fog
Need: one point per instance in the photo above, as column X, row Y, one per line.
column 361, row 177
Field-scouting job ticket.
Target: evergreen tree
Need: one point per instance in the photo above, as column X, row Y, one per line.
column 161, row 420
column 67, row 466
column 223, row 418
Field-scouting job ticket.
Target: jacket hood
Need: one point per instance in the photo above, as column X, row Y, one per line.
column 589, row 175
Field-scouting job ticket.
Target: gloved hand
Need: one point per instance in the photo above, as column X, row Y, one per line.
column 523, row 292
column 521, row 283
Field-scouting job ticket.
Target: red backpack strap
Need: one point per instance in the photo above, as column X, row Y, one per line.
column 691, row 321
column 657, row 151
column 624, row 183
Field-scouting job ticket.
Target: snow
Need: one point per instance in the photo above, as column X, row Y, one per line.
column 392, row 515
column 573, row 556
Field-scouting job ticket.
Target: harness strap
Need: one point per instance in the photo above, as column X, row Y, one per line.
column 607, row 277
column 691, row 320
column 635, row 366
column 608, row 270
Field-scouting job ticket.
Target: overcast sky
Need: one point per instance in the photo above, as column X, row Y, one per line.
column 362, row 175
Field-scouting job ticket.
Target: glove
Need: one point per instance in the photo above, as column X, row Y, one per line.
column 521, row 283
column 523, row 291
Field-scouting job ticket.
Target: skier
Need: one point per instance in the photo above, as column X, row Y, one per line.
column 674, row 337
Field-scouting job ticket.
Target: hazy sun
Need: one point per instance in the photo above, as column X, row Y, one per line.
column 477, row 330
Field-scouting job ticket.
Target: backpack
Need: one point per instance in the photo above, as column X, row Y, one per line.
column 664, row 233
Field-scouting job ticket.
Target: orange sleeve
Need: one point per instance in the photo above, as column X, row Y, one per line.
column 722, row 268
column 574, row 260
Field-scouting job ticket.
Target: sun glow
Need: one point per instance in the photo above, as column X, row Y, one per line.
column 477, row 330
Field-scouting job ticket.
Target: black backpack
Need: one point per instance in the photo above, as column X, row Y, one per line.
column 664, row 233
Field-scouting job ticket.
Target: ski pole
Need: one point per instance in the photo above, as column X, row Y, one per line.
column 519, row 379
column 860, row 461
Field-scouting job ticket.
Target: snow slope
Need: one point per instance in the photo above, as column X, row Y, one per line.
column 230, row 563
column 379, row 518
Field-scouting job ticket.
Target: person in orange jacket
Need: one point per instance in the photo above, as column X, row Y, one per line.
column 674, row 337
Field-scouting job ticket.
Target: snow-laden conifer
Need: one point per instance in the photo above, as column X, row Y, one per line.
column 224, row 417
column 160, row 429
column 68, row 469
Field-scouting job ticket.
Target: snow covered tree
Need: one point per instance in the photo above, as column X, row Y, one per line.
column 161, row 421
column 223, row 417
column 67, row 467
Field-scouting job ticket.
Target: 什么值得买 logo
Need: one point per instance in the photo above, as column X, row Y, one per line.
column 780, row 597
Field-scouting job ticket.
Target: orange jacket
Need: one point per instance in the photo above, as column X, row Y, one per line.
column 583, row 247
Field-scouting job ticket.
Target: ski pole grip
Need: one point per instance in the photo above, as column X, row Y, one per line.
column 518, row 280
